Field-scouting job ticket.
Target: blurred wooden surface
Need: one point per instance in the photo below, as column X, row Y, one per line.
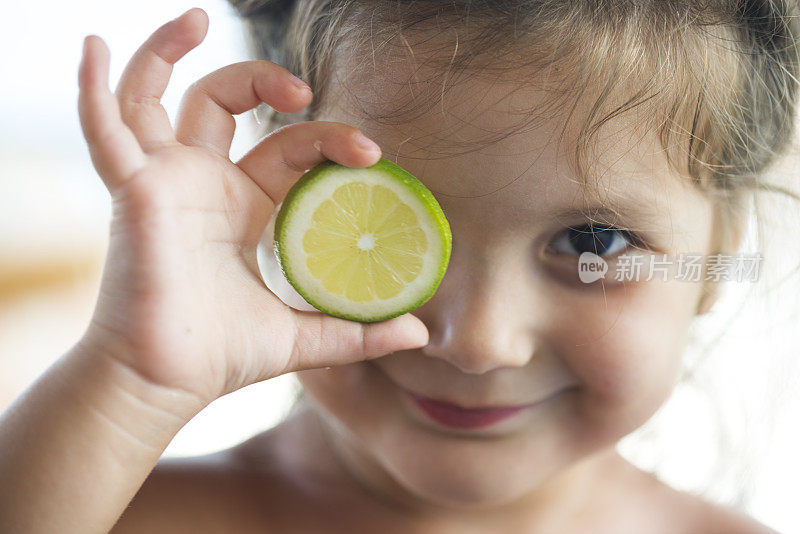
column 45, row 306
column 18, row 277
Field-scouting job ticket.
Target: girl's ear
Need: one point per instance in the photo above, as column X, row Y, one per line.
column 708, row 297
column 727, row 240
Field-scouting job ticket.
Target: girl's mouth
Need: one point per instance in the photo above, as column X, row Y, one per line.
column 456, row 417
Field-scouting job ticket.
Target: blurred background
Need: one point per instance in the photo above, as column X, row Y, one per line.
column 54, row 215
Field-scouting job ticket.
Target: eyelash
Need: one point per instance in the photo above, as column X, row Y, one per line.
column 633, row 241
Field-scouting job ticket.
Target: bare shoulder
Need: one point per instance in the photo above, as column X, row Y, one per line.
column 693, row 514
column 265, row 484
column 715, row 518
column 185, row 495
column 218, row 492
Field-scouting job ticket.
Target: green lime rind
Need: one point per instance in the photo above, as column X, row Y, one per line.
column 399, row 174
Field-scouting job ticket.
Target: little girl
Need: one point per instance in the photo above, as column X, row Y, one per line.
column 550, row 131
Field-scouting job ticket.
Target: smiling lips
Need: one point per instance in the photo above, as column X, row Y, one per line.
column 453, row 416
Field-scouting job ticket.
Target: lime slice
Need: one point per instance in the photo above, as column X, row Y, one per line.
column 363, row 244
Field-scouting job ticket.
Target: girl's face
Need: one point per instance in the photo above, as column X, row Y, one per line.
column 511, row 322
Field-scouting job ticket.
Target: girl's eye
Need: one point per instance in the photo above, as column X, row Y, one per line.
column 603, row 241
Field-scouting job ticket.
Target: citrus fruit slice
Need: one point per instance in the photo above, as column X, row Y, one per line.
column 364, row 244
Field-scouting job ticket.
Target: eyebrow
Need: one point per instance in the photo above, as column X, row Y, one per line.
column 604, row 214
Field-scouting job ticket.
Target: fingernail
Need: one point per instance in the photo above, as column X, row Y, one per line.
column 367, row 144
column 299, row 83
column 420, row 337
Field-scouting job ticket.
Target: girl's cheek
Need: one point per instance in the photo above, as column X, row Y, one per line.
column 627, row 343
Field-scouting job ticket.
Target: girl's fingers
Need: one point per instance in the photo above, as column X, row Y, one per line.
column 146, row 76
column 205, row 117
column 115, row 152
column 281, row 157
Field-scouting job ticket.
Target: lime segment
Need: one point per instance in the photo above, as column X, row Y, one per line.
column 364, row 244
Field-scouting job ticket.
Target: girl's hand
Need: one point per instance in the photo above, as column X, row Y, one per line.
column 181, row 301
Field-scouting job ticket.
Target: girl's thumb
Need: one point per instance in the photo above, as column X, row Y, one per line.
column 323, row 340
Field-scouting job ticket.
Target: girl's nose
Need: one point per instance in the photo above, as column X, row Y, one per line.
column 477, row 320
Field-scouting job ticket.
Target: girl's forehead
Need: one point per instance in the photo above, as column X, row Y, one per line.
column 500, row 139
